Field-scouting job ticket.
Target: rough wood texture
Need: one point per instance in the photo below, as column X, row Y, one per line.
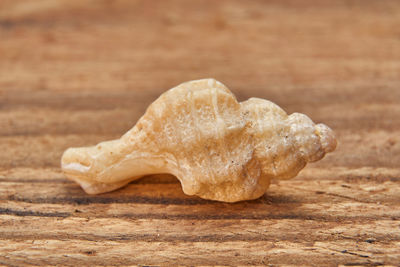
column 73, row 73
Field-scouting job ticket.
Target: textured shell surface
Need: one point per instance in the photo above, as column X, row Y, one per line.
column 218, row 148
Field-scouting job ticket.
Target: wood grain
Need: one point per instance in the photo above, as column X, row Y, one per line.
column 74, row 73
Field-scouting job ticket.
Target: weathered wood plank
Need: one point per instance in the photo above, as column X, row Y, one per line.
column 175, row 210
column 324, row 96
column 73, row 252
column 325, row 200
column 116, row 229
column 291, row 191
column 280, row 24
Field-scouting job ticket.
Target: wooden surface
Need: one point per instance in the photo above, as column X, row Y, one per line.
column 74, row 73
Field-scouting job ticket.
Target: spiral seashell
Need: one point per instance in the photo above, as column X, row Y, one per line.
column 218, row 148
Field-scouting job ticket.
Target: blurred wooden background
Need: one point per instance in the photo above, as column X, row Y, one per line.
column 74, row 73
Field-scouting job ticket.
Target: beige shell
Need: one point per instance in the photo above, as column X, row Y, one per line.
column 218, row 148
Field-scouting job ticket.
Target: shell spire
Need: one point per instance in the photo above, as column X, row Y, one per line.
column 218, row 148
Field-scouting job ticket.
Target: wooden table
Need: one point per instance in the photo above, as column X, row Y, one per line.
column 73, row 73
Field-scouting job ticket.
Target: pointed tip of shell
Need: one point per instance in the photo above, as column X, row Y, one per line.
column 327, row 137
column 74, row 161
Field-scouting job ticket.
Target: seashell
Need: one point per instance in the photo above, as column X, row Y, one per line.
column 218, row 148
